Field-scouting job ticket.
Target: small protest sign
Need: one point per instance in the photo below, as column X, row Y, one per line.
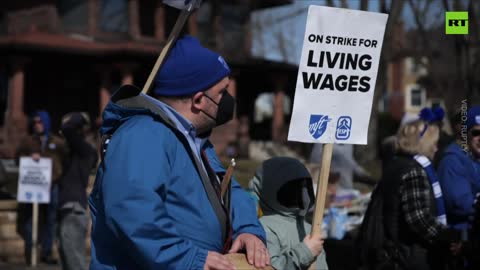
column 34, row 180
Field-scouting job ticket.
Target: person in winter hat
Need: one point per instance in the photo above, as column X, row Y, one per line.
column 156, row 202
column 459, row 172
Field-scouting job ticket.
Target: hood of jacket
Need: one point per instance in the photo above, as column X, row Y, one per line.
column 274, row 174
column 118, row 112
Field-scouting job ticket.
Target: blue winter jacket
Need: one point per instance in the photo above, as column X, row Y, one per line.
column 149, row 207
column 459, row 177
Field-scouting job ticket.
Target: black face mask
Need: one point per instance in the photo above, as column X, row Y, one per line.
column 226, row 107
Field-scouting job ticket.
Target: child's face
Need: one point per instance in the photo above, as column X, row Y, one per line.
column 296, row 194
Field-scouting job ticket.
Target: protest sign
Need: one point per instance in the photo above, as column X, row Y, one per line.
column 34, row 180
column 336, row 76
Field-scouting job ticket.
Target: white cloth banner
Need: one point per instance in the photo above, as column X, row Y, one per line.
column 337, row 75
column 34, row 180
column 182, row 4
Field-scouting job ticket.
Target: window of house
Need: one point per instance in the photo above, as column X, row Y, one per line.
column 74, row 15
column 416, row 97
column 414, row 66
column 436, row 104
column 114, row 16
column 147, row 17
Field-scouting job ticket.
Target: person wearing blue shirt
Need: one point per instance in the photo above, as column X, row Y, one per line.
column 459, row 173
column 156, row 202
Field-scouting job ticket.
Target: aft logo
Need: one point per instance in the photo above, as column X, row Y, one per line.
column 456, row 23
column 344, row 128
column 318, row 125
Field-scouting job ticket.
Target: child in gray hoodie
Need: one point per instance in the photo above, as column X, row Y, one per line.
column 284, row 188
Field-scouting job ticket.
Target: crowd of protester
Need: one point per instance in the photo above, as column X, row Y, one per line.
column 424, row 211
column 159, row 200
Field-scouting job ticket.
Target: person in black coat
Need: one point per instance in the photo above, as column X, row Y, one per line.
column 414, row 233
column 73, row 218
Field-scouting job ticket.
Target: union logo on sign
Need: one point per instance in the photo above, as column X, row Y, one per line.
column 28, row 195
column 344, row 127
column 318, row 125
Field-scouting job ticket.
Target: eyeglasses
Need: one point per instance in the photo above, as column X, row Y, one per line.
column 475, row 132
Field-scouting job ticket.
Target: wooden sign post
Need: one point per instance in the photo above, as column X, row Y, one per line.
column 34, row 234
column 321, row 192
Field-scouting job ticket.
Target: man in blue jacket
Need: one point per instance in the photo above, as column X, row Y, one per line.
column 155, row 203
column 459, row 173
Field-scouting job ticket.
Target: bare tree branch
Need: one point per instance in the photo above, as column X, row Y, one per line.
column 458, row 5
column 426, row 9
column 417, row 15
column 364, row 5
column 473, row 56
column 343, row 4
column 420, row 15
column 383, row 6
column 330, row 3
column 446, row 5
column 473, row 20
column 394, row 13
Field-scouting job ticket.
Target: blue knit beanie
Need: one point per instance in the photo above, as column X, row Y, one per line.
column 473, row 116
column 189, row 68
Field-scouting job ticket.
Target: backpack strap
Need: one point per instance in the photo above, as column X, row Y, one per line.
column 128, row 96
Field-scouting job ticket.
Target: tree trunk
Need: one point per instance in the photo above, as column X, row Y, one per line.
column 369, row 152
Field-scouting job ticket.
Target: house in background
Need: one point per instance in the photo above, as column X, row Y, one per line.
column 65, row 55
column 70, row 55
column 405, row 97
